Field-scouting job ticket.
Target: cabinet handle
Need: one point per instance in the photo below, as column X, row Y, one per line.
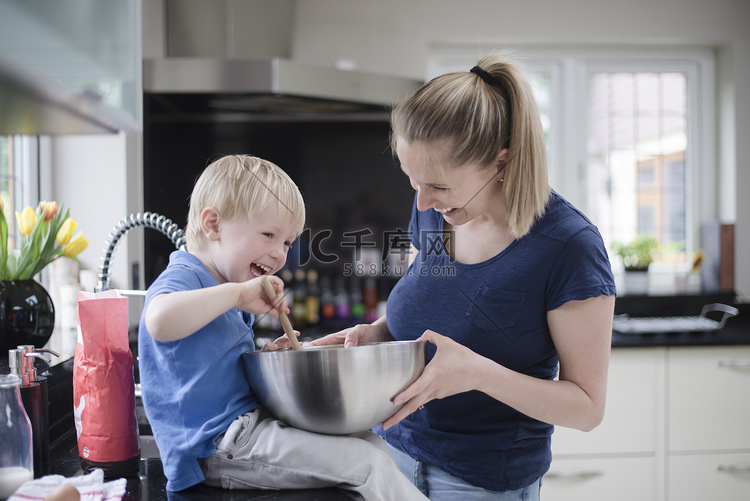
column 577, row 475
column 734, row 362
column 734, row 468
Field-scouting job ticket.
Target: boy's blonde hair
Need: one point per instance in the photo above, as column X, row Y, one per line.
column 478, row 116
column 242, row 186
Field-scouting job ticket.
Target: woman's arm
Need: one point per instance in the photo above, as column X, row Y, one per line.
column 581, row 332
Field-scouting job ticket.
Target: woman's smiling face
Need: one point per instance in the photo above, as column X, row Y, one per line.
column 460, row 194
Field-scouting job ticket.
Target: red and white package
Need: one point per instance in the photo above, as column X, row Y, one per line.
column 104, row 386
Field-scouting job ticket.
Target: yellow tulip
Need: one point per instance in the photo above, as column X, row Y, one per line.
column 26, row 221
column 49, row 209
column 697, row 261
column 66, row 231
column 76, row 246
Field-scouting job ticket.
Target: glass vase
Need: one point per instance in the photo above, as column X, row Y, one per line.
column 17, row 458
column 27, row 315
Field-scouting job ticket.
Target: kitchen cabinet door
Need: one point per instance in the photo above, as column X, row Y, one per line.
column 70, row 67
column 613, row 479
column 634, row 393
column 710, row 476
column 708, row 392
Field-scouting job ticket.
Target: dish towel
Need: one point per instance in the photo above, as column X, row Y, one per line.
column 91, row 487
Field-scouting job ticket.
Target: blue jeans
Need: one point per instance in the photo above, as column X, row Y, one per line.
column 439, row 485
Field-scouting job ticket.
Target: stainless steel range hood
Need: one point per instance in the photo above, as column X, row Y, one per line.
column 268, row 88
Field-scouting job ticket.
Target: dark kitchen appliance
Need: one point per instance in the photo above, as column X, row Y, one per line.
column 327, row 128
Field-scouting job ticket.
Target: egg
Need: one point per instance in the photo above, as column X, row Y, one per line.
column 65, row 492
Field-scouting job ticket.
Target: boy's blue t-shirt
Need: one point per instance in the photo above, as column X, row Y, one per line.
column 195, row 387
column 498, row 308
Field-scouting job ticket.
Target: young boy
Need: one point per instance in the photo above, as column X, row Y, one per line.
column 209, row 426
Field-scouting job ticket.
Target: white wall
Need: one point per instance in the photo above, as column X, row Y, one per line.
column 99, row 179
column 394, row 37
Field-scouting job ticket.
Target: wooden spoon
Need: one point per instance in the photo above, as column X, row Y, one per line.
column 271, row 293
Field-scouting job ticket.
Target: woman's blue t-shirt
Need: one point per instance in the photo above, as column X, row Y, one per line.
column 498, row 308
column 195, row 387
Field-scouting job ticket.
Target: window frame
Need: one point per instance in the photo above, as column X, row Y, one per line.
column 568, row 68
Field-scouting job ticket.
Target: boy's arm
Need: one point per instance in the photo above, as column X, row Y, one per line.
column 177, row 315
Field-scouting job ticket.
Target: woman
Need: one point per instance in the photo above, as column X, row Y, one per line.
column 509, row 280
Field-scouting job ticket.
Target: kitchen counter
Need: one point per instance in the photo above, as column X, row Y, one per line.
column 732, row 334
column 736, row 331
column 151, row 484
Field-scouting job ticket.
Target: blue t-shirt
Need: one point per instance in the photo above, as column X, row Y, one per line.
column 498, row 308
column 195, row 387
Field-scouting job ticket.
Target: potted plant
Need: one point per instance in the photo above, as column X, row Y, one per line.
column 637, row 255
column 46, row 233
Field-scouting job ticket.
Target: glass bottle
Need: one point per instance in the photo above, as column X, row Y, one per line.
column 341, row 300
column 327, row 305
column 17, row 458
column 312, row 300
column 356, row 308
column 298, row 307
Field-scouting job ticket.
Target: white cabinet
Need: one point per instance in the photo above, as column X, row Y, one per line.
column 70, row 67
column 613, row 479
column 708, row 424
column 634, row 395
column 709, row 476
column 709, row 399
column 676, row 428
column 617, row 460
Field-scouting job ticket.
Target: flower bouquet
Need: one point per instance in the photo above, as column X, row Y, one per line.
column 47, row 233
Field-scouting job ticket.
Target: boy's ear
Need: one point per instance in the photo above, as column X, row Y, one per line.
column 211, row 223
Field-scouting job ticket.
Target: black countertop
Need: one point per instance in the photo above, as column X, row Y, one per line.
column 730, row 335
column 735, row 332
column 151, row 483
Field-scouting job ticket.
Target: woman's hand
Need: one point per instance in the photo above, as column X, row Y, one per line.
column 452, row 370
column 581, row 331
column 359, row 334
column 280, row 343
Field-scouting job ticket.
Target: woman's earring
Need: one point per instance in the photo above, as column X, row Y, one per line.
column 502, row 179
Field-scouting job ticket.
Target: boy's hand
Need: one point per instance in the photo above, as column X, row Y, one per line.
column 177, row 315
column 253, row 299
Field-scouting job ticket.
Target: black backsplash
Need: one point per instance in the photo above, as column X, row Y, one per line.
column 344, row 168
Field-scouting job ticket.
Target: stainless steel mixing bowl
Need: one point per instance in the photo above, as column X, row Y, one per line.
column 332, row 389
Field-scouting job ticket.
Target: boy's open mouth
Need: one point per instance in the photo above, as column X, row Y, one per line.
column 259, row 270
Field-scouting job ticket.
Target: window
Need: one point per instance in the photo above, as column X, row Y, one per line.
column 629, row 135
column 8, row 184
column 17, row 175
column 636, row 145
